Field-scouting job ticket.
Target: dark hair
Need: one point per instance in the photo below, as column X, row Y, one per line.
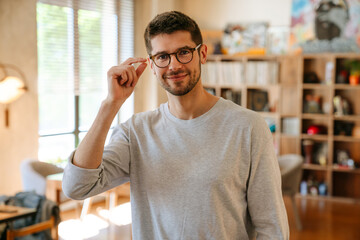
column 169, row 22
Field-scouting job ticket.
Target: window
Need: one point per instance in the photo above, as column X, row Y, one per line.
column 78, row 41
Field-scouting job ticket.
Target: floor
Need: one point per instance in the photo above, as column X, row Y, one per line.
column 98, row 224
column 321, row 219
column 325, row 219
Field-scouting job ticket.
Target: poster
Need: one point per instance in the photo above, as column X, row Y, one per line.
column 326, row 25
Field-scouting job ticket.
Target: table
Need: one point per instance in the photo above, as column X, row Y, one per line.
column 54, row 187
column 10, row 213
column 54, row 191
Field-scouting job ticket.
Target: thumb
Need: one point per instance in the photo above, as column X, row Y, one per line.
column 140, row 69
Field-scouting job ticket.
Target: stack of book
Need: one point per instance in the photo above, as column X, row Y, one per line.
column 231, row 73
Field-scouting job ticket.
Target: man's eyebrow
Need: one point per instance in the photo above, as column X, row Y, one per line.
column 164, row 52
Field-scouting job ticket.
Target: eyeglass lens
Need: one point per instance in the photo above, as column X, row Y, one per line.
column 183, row 56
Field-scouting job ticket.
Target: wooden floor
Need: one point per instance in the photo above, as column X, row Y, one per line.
column 321, row 219
column 325, row 219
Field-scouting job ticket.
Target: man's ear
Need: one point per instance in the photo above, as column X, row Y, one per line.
column 151, row 65
column 203, row 53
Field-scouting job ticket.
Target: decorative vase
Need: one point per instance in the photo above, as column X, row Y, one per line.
column 354, row 79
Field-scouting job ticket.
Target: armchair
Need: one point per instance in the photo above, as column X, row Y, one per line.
column 34, row 173
column 291, row 172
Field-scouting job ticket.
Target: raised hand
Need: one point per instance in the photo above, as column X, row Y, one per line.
column 122, row 79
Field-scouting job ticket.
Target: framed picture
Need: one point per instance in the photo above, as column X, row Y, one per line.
column 258, row 100
column 326, row 25
column 277, row 40
column 245, row 38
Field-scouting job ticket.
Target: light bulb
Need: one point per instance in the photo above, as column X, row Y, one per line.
column 11, row 88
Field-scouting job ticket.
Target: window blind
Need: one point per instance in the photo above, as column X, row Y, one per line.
column 79, row 40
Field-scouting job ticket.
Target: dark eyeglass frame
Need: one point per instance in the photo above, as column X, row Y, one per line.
column 192, row 50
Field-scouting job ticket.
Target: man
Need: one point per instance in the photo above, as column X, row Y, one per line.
column 200, row 167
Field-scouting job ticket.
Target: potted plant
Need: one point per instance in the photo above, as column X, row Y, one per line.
column 354, row 67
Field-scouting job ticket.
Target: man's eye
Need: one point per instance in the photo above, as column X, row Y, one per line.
column 184, row 52
column 162, row 57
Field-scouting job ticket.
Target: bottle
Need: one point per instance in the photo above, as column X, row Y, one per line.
column 303, row 188
column 322, row 189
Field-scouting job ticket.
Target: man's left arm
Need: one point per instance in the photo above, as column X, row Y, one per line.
column 265, row 202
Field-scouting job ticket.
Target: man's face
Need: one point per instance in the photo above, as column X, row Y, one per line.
column 177, row 78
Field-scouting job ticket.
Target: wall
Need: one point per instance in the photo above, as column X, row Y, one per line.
column 214, row 14
column 18, row 47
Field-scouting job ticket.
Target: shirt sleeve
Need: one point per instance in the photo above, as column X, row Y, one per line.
column 265, row 202
column 80, row 183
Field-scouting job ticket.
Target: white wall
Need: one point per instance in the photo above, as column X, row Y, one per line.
column 214, row 14
column 18, row 47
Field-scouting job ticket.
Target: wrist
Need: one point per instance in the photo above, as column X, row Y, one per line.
column 112, row 104
column 111, row 107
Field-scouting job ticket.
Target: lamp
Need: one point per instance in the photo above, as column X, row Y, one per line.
column 11, row 87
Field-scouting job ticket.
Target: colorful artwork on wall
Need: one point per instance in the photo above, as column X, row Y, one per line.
column 245, row 38
column 326, row 25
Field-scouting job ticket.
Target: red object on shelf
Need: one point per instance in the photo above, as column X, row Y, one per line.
column 314, row 129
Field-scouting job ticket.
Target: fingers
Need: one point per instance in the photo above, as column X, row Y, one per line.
column 140, row 69
column 125, row 74
column 133, row 77
column 130, row 61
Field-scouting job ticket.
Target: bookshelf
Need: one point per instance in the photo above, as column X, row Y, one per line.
column 337, row 114
column 260, row 83
column 298, row 96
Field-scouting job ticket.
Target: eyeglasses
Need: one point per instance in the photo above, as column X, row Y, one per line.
column 183, row 55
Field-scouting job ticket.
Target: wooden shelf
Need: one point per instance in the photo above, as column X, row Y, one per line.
column 347, row 117
column 228, row 86
column 346, row 87
column 318, row 167
column 261, row 86
column 284, row 135
column 340, row 169
column 315, row 116
column 348, row 55
column 289, row 115
column 207, row 85
column 327, row 89
column 315, row 137
column 245, row 57
column 346, row 139
column 286, row 95
column 309, row 196
column 316, row 86
column 269, row 114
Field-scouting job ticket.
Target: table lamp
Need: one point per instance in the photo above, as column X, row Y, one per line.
column 11, row 86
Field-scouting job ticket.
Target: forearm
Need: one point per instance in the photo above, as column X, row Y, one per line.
column 89, row 153
column 121, row 82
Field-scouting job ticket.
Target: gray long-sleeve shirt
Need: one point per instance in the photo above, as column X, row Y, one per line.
column 212, row 177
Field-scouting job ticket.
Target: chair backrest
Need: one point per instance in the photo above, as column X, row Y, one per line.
column 36, row 228
column 46, row 219
column 34, row 173
column 291, row 172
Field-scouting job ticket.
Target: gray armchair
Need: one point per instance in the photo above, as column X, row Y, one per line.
column 291, row 173
column 34, row 173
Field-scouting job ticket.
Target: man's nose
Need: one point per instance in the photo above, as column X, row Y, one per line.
column 174, row 63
